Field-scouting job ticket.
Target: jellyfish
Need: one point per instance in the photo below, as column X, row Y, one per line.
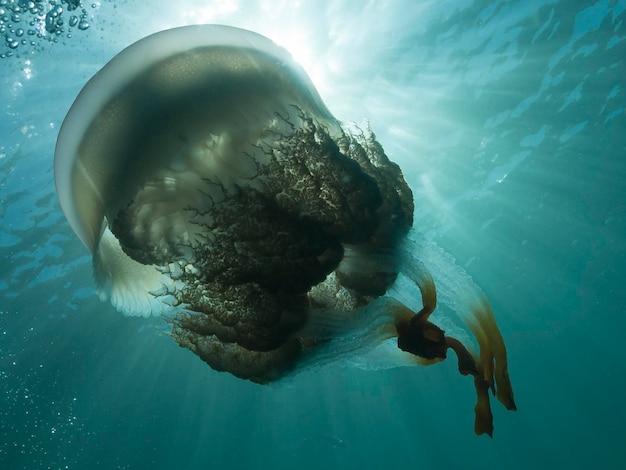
column 214, row 188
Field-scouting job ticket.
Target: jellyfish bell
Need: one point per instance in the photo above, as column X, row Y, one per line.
column 211, row 184
column 164, row 115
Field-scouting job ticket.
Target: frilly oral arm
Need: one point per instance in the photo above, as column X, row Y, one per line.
column 424, row 339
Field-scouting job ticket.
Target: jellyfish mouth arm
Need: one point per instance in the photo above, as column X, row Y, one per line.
column 261, row 367
column 133, row 288
column 416, row 334
column 493, row 362
column 426, row 340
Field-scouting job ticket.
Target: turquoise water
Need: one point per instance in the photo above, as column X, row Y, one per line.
column 508, row 120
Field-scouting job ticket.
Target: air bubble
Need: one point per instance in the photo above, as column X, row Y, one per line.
column 46, row 21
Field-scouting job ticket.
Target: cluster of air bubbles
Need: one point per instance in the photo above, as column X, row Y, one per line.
column 31, row 23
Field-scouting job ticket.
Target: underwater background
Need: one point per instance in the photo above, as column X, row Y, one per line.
column 508, row 120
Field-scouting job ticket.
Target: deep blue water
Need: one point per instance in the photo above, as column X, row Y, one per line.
column 508, row 120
